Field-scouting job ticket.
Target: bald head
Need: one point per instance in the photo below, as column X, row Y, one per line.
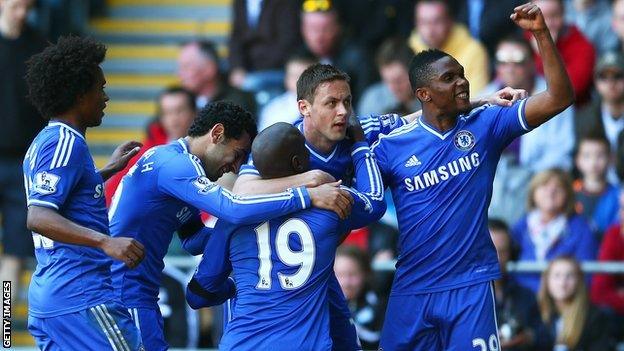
column 279, row 151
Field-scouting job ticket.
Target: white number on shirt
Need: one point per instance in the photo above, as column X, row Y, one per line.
column 483, row 346
column 304, row 258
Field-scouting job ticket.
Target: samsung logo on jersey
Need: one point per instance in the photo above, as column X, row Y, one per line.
column 442, row 173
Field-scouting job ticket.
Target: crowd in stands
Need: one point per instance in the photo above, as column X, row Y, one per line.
column 557, row 195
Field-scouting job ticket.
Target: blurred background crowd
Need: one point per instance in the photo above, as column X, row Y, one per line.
column 557, row 199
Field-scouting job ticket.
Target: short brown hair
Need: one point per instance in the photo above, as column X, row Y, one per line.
column 316, row 75
column 544, row 177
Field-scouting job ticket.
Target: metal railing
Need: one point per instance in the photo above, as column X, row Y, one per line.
column 612, row 267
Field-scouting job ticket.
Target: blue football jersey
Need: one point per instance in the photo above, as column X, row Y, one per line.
column 338, row 161
column 59, row 173
column 338, row 164
column 441, row 186
column 166, row 188
column 281, row 269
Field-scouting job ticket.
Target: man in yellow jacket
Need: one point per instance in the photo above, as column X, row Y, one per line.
column 436, row 29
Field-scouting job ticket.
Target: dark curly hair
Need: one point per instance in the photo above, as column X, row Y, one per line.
column 62, row 73
column 235, row 119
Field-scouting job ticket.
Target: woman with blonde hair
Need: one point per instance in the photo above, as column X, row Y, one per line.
column 551, row 228
column 574, row 323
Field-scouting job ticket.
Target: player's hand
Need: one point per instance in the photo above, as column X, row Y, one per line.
column 128, row 250
column 355, row 133
column 507, row 96
column 317, row 177
column 529, row 17
column 122, row 154
column 330, row 197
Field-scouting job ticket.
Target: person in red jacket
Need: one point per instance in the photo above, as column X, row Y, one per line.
column 176, row 112
column 608, row 289
column 577, row 52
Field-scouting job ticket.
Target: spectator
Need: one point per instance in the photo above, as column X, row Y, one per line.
column 20, row 124
column 573, row 322
column 551, row 144
column 619, row 158
column 283, row 108
column 576, row 51
column 353, row 271
column 608, row 289
column 323, row 38
column 617, row 21
column 263, row 33
column 551, row 228
column 370, row 22
column 520, row 327
column 606, row 114
column 487, row 20
column 199, row 72
column 394, row 93
column 435, row 28
column 596, row 198
column 593, row 18
column 176, row 112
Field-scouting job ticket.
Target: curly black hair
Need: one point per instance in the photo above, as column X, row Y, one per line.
column 62, row 73
column 235, row 119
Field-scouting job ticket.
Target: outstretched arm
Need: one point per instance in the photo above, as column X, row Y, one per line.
column 559, row 93
column 504, row 97
column 250, row 183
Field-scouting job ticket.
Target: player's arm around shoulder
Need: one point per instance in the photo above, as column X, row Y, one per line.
column 559, row 93
column 210, row 284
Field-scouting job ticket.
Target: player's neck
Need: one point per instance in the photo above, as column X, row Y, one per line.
column 318, row 140
column 71, row 119
column 438, row 120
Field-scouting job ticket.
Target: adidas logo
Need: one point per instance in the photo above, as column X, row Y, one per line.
column 413, row 161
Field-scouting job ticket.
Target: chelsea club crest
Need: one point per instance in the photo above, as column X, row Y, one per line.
column 464, row 140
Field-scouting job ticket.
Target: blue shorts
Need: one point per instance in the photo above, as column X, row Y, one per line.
column 341, row 327
column 453, row 320
column 103, row 327
column 150, row 323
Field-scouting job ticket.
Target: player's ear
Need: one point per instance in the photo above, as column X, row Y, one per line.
column 423, row 95
column 217, row 133
column 304, row 107
column 297, row 165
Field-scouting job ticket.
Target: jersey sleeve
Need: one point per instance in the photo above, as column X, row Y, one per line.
column 183, row 178
column 378, row 150
column 374, row 125
column 248, row 168
column 368, row 192
column 194, row 235
column 507, row 123
column 55, row 172
column 210, row 284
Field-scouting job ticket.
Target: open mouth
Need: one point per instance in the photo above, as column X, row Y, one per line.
column 463, row 95
column 340, row 125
